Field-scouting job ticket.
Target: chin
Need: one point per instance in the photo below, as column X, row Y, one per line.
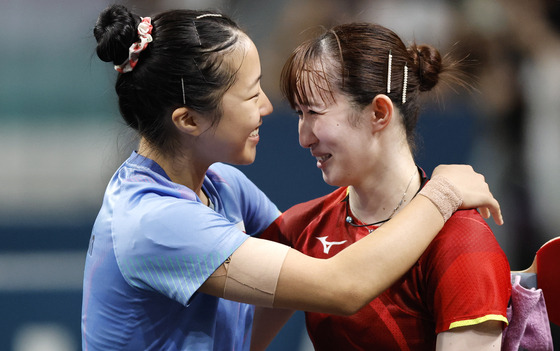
column 329, row 180
column 246, row 160
column 245, row 163
column 332, row 180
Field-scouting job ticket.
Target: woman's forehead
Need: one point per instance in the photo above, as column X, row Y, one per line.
column 314, row 88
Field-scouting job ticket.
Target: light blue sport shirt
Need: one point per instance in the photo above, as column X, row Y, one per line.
column 152, row 246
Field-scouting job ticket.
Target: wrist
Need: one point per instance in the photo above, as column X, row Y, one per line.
column 443, row 194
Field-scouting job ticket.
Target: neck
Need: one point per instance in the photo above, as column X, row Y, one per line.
column 390, row 190
column 180, row 169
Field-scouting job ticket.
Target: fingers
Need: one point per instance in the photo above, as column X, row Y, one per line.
column 494, row 211
column 473, row 188
column 497, row 213
column 484, row 212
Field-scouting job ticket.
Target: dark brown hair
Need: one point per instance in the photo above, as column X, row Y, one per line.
column 188, row 63
column 353, row 59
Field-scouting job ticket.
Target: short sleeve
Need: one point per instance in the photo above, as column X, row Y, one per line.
column 256, row 210
column 174, row 247
column 468, row 275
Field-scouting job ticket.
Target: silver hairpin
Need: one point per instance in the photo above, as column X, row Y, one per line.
column 208, row 15
column 183, row 89
column 196, row 32
column 405, row 80
column 389, row 64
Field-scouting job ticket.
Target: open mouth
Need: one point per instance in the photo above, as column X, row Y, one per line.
column 322, row 159
column 254, row 133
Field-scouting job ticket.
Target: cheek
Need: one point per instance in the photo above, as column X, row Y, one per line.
column 332, row 134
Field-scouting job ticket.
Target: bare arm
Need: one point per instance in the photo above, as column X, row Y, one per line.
column 335, row 285
column 266, row 325
column 358, row 274
column 484, row 336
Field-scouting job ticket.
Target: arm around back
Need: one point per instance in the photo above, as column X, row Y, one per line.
column 345, row 283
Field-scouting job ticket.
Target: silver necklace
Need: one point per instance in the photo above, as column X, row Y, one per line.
column 350, row 220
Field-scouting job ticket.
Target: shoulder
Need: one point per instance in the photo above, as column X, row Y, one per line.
column 309, row 210
column 159, row 221
column 290, row 224
column 466, row 227
column 466, row 251
column 228, row 178
column 305, row 214
column 467, row 216
column 465, row 239
column 149, row 211
column 221, row 172
column 224, row 169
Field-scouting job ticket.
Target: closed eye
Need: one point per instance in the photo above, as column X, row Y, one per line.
column 309, row 112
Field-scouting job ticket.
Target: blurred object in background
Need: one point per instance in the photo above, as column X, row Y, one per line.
column 44, row 337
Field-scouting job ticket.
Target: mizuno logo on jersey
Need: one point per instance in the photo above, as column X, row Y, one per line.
column 328, row 244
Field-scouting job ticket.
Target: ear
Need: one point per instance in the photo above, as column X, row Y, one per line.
column 188, row 121
column 382, row 108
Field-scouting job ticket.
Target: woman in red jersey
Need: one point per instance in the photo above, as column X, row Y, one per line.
column 356, row 89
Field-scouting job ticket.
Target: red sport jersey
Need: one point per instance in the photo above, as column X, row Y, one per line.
column 463, row 278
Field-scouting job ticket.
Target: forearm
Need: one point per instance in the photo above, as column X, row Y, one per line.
column 267, row 322
column 269, row 274
column 358, row 274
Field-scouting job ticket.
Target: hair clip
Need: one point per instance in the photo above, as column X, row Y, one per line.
column 208, row 15
column 389, row 64
column 196, row 32
column 404, row 83
column 183, row 89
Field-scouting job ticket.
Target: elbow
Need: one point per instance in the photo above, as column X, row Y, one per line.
column 350, row 294
column 347, row 311
column 350, row 301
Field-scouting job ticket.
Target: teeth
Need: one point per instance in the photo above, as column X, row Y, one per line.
column 254, row 133
column 323, row 158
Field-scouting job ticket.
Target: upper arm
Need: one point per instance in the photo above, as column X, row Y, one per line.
column 262, row 271
column 483, row 336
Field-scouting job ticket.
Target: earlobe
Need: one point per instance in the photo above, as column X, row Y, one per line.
column 382, row 107
column 188, row 121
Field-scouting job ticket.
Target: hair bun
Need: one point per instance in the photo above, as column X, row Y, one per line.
column 429, row 65
column 115, row 31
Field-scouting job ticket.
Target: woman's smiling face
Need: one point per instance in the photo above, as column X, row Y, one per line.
column 327, row 128
column 235, row 137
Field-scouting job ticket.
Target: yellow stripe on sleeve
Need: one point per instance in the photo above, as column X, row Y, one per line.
column 469, row 322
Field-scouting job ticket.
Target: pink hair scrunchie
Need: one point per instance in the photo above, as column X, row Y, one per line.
column 144, row 32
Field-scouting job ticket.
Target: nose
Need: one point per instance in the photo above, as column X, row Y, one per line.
column 306, row 136
column 266, row 107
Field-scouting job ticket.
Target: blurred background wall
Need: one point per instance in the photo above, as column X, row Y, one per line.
column 61, row 136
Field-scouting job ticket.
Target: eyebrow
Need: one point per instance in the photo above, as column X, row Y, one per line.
column 256, row 81
column 311, row 102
